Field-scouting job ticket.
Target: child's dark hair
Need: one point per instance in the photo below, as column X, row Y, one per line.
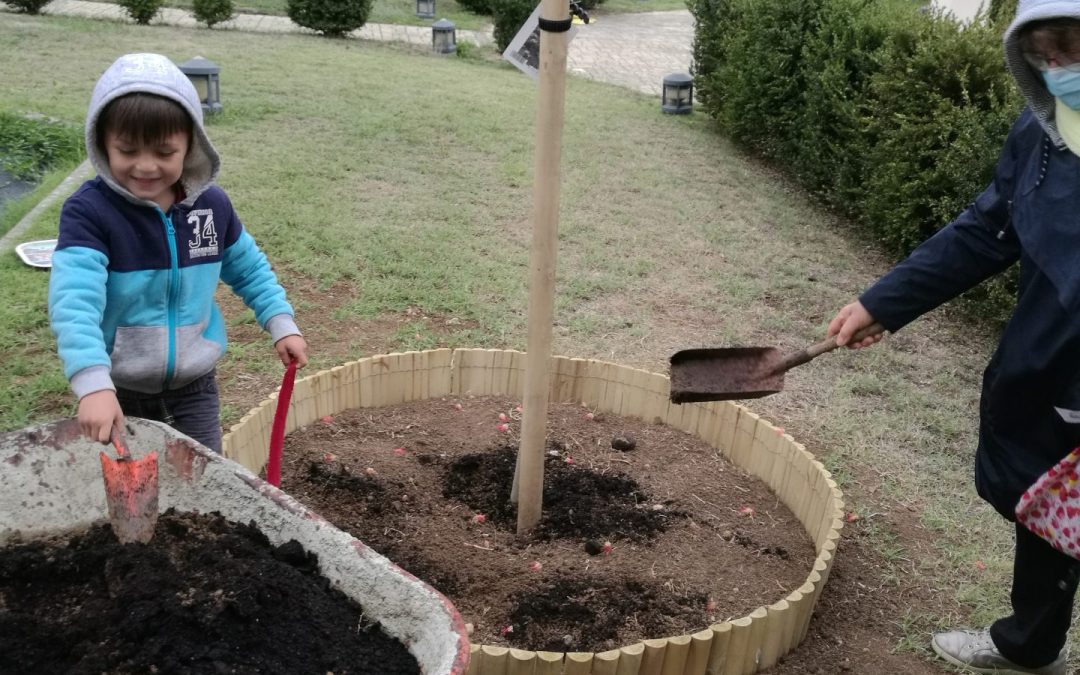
column 142, row 118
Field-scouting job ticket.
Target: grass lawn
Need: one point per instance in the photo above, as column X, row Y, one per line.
column 392, row 191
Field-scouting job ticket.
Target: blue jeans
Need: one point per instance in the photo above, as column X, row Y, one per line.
column 192, row 410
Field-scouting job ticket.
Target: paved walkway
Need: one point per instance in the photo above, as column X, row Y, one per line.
column 634, row 50
column 629, row 50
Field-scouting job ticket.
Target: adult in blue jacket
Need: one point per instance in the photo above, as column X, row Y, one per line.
column 141, row 250
column 1030, row 406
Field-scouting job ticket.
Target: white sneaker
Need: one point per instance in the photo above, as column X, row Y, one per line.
column 975, row 651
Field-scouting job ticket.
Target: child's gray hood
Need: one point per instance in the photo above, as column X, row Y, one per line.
column 1027, row 78
column 153, row 74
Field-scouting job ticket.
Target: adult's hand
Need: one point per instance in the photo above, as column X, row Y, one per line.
column 850, row 320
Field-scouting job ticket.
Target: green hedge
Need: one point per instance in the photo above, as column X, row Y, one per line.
column 30, row 146
column 332, row 18
column 509, row 16
column 893, row 115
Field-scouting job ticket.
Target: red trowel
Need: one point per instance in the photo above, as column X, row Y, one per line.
column 131, row 491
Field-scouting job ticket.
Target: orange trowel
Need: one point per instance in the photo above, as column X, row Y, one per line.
column 131, row 491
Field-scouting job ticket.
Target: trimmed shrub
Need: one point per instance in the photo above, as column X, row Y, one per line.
column 31, row 146
column 937, row 115
column 715, row 21
column 762, row 75
column 509, row 16
column 27, row 6
column 839, row 59
column 477, row 6
column 1002, row 11
column 142, row 11
column 333, row 18
column 894, row 116
column 212, row 12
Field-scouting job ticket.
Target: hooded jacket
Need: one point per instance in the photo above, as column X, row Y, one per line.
column 131, row 292
column 1030, row 405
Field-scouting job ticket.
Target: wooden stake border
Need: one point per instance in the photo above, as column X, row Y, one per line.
column 738, row 647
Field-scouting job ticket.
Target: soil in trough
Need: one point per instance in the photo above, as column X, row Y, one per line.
column 647, row 531
column 204, row 596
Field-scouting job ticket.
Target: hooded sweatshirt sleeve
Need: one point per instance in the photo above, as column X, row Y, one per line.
column 972, row 248
column 77, row 298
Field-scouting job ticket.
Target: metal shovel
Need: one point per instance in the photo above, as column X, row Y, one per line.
column 131, row 491
column 723, row 374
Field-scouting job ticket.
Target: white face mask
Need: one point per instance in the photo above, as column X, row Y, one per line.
column 1064, row 84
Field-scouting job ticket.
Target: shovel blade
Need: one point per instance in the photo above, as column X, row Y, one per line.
column 725, row 374
column 131, row 492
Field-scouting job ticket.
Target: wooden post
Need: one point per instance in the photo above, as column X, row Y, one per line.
column 529, row 476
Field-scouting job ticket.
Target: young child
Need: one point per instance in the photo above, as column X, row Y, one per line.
column 1030, row 408
column 141, row 249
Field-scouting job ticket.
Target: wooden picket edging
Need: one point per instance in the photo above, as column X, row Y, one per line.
column 737, row 647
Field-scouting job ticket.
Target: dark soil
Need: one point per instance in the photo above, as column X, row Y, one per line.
column 204, row 596
column 647, row 531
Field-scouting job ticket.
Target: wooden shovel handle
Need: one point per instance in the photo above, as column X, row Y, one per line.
column 801, row 357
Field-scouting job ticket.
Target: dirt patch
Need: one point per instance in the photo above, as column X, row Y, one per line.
column 875, row 614
column 204, row 596
column 661, row 537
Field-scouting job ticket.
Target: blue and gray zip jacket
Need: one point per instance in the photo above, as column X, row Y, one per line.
column 131, row 293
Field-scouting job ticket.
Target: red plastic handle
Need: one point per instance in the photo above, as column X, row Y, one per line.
column 277, row 432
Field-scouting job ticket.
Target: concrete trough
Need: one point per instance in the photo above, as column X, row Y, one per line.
column 50, row 483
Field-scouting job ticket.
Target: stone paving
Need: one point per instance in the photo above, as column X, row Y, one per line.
column 633, row 50
column 629, row 50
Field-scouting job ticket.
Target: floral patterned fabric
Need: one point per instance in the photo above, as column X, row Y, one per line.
column 1051, row 507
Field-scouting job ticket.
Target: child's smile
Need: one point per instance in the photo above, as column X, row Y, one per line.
column 148, row 171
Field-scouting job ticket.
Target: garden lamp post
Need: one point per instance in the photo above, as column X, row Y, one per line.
column 443, row 37
column 678, row 94
column 425, row 9
column 204, row 74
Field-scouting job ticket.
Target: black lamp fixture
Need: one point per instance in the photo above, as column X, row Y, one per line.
column 443, row 37
column 205, row 75
column 678, row 94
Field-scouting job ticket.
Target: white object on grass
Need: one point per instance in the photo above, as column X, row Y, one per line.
column 37, row 253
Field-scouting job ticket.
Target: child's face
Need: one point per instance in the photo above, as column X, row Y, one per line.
column 148, row 171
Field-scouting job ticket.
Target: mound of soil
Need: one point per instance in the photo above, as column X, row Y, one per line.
column 204, row 596
column 646, row 532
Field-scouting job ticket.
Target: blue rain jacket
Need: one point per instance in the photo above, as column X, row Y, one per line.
column 1030, row 406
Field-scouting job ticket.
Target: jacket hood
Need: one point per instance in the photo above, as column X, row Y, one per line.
column 153, row 74
column 1027, row 78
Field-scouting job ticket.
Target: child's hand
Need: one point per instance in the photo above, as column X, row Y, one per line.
column 98, row 413
column 292, row 347
column 850, row 320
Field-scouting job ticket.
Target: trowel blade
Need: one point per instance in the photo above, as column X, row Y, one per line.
column 724, row 374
